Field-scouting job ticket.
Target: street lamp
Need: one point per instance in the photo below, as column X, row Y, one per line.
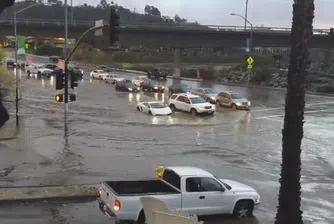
column 251, row 35
column 246, row 14
column 16, row 72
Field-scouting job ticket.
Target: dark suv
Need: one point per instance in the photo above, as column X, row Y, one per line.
column 156, row 73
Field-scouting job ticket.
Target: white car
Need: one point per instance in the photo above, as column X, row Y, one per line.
column 98, row 74
column 189, row 189
column 38, row 70
column 112, row 78
column 137, row 81
column 154, row 108
column 190, row 103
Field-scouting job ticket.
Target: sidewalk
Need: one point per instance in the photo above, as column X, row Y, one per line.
column 48, row 192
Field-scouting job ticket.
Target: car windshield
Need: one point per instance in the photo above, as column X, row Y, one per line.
column 210, row 91
column 129, row 85
column 158, row 105
column 236, row 96
column 154, row 83
column 195, row 100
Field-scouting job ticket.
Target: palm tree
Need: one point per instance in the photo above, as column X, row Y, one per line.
column 289, row 198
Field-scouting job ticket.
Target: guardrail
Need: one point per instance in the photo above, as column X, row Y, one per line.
column 221, row 28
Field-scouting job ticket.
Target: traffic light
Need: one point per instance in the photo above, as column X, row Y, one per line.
column 59, row 98
column 74, row 79
column 60, row 80
column 331, row 33
column 73, row 97
column 113, row 25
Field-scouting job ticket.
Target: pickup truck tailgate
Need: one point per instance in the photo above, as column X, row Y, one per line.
column 107, row 202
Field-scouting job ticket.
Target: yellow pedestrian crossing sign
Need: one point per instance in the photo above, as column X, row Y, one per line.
column 250, row 60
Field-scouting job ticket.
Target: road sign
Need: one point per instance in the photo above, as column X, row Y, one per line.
column 250, row 66
column 250, row 60
column 26, row 45
column 99, row 32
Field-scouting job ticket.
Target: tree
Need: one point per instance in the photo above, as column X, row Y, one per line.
column 104, row 4
column 5, row 4
column 289, row 198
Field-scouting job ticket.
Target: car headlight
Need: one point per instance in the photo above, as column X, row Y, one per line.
column 213, row 98
column 130, row 89
column 249, row 103
column 155, row 87
column 238, row 104
column 257, row 199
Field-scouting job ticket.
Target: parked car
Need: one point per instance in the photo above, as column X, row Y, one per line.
column 98, row 74
column 179, row 88
column 190, row 189
column 113, row 78
column 156, row 73
column 126, row 86
column 232, row 100
column 154, row 108
column 152, row 86
column 208, row 94
column 138, row 80
column 190, row 103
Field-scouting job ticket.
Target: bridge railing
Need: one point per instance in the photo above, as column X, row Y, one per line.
column 220, row 28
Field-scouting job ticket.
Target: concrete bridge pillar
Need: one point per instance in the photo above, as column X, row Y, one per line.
column 177, row 63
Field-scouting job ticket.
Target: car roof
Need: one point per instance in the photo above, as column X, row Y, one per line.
column 99, row 70
column 189, row 171
column 186, row 94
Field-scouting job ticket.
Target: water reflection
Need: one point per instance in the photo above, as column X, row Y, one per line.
column 243, row 121
column 162, row 120
column 51, row 80
column 42, row 83
column 134, row 97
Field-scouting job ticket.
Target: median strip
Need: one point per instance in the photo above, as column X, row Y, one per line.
column 48, row 192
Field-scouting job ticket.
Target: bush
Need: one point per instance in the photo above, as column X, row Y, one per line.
column 48, row 50
column 325, row 88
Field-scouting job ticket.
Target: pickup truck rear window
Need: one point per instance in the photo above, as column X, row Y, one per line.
column 172, row 178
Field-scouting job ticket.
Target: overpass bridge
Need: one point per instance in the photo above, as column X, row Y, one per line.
column 167, row 35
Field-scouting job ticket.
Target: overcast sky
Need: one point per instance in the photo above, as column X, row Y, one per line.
column 276, row 13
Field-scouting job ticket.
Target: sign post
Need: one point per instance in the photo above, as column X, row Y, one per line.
column 250, row 62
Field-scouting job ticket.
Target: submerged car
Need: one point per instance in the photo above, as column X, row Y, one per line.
column 152, row 86
column 154, row 108
column 232, row 100
column 126, row 87
column 208, row 94
column 138, row 80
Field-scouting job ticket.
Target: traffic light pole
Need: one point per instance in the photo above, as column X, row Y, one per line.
column 66, row 73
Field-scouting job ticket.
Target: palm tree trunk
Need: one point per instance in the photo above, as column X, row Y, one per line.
column 289, row 211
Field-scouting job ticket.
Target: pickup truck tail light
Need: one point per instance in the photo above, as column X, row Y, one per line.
column 117, row 205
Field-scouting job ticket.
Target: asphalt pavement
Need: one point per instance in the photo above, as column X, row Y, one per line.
column 109, row 139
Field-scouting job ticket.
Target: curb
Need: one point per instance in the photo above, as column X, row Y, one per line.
column 42, row 193
column 81, row 198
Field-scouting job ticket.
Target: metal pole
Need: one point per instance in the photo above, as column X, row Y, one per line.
column 246, row 14
column 16, row 71
column 250, row 48
column 72, row 11
column 66, row 73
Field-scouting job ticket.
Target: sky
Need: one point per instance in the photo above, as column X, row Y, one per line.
column 273, row 13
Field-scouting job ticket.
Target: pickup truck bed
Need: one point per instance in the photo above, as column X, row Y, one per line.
column 142, row 187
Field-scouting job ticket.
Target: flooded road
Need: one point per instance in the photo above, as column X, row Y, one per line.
column 109, row 139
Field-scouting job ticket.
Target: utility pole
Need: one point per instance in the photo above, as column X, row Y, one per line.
column 246, row 14
column 16, row 71
column 66, row 72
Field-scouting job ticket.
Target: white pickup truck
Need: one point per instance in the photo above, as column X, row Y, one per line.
column 189, row 189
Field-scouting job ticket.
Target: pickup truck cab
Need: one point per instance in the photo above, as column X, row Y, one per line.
column 190, row 189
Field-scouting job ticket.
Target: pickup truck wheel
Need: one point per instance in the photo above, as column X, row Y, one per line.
column 141, row 218
column 234, row 106
column 243, row 209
